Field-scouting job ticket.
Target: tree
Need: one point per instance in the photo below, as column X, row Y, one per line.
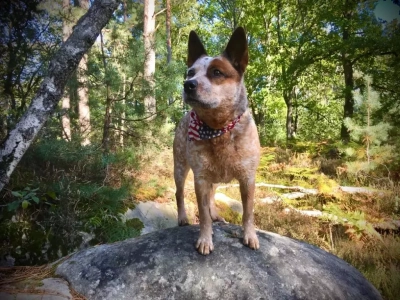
column 66, row 101
column 50, row 91
column 372, row 135
column 150, row 62
column 83, row 95
column 168, row 30
column 25, row 41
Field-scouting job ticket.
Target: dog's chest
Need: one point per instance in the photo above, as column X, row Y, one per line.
column 221, row 159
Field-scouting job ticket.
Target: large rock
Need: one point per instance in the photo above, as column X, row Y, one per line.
column 165, row 265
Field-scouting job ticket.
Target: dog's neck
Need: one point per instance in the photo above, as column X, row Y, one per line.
column 199, row 130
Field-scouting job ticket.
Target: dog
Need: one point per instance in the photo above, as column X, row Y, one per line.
column 218, row 138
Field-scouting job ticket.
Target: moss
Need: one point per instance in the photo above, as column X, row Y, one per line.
column 227, row 213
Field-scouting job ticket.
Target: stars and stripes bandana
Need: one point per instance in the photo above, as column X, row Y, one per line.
column 198, row 130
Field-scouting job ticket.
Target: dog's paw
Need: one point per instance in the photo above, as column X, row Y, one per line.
column 250, row 239
column 183, row 221
column 204, row 245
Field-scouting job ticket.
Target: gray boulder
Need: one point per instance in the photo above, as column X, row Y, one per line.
column 165, row 265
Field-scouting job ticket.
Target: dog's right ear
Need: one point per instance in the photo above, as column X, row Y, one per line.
column 195, row 49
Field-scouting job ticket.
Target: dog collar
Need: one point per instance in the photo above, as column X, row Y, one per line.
column 198, row 130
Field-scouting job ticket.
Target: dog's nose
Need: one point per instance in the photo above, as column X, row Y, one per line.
column 190, row 86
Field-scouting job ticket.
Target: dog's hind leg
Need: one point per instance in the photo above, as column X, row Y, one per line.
column 213, row 210
column 181, row 169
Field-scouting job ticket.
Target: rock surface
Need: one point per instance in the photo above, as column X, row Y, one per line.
column 154, row 216
column 165, row 265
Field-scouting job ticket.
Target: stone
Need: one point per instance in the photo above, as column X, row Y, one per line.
column 165, row 265
column 154, row 216
column 56, row 286
column 235, row 205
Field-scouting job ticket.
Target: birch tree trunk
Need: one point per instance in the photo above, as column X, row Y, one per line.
column 66, row 102
column 51, row 89
column 83, row 94
column 168, row 29
column 150, row 61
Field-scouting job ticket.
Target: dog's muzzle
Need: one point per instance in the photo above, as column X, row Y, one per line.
column 190, row 86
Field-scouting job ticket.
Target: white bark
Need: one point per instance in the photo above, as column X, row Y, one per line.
column 83, row 93
column 150, row 61
column 51, row 90
column 83, row 104
column 66, row 102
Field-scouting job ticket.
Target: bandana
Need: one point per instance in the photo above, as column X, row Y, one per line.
column 198, row 130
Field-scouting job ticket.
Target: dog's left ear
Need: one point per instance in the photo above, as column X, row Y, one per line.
column 237, row 51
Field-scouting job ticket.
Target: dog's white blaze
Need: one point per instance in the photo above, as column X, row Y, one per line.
column 201, row 66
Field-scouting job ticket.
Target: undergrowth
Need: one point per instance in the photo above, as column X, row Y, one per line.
column 83, row 192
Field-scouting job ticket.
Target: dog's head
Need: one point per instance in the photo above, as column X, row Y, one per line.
column 217, row 82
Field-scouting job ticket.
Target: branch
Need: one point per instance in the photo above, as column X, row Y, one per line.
column 160, row 12
column 51, row 90
column 147, row 117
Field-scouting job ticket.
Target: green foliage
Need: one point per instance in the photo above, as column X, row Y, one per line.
column 370, row 134
column 228, row 214
column 72, row 195
column 24, row 198
column 355, row 221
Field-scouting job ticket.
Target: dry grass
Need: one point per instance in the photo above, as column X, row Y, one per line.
column 27, row 279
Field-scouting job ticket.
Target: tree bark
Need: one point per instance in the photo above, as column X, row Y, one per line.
column 83, row 93
column 168, row 28
column 150, row 61
column 290, row 123
column 107, row 115
column 66, row 101
column 348, row 108
column 51, row 90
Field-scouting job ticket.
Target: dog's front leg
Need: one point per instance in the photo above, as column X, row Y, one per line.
column 203, row 191
column 247, row 189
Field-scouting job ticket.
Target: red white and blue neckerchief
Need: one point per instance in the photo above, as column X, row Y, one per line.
column 198, row 130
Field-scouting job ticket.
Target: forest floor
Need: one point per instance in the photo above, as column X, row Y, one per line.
column 305, row 197
column 298, row 195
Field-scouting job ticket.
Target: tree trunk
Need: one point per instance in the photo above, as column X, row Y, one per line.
column 107, row 115
column 150, row 61
column 168, row 28
column 83, row 95
column 83, row 102
column 348, row 107
column 168, row 31
column 290, row 125
column 66, row 102
column 123, row 113
column 51, row 89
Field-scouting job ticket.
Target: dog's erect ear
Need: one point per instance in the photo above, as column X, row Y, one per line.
column 236, row 50
column 195, row 49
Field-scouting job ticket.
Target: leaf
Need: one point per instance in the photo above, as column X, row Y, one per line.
column 13, row 205
column 16, row 194
column 51, row 194
column 25, row 204
column 36, row 199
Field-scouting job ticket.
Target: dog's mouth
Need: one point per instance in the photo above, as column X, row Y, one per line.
column 194, row 101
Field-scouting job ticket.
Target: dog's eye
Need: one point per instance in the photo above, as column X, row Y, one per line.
column 190, row 73
column 217, row 73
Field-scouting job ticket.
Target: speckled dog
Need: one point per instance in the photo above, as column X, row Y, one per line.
column 218, row 138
